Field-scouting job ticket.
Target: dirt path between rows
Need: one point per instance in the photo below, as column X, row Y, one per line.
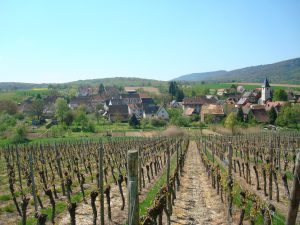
column 197, row 202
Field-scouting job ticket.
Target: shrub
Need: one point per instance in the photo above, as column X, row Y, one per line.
column 182, row 121
column 57, row 131
column 20, row 135
column 158, row 123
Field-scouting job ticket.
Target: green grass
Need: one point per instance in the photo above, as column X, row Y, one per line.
column 150, row 197
column 5, row 198
column 8, row 208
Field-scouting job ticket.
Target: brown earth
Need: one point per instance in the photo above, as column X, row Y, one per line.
column 197, row 202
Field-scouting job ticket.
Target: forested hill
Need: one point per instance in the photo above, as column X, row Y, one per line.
column 281, row 72
column 118, row 81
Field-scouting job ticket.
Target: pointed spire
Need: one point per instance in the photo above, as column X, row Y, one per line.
column 266, row 83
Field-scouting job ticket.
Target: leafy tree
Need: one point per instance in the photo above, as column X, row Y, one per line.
column 231, row 122
column 37, row 108
column 146, row 123
column 61, row 109
column 101, row 90
column 250, row 118
column 179, row 95
column 38, row 96
column 20, row 135
column 272, row 115
column 194, row 93
column 81, row 119
column 133, row 121
column 6, row 121
column 209, row 118
column 8, row 106
column 69, row 118
column 182, row 121
column 240, row 115
column 173, row 88
column 158, row 123
column 280, row 95
column 289, row 116
column 195, row 118
column 174, row 114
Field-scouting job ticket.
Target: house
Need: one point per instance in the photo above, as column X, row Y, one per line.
column 260, row 115
column 221, row 91
column 276, row 105
column 84, row 91
column 240, row 89
column 225, row 91
column 150, row 111
column 214, row 110
column 136, row 109
column 293, row 97
column 162, row 113
column 76, row 102
column 197, row 102
column 189, row 112
column 130, row 90
column 175, row 104
column 242, row 102
column 156, row 112
column 251, row 96
column 118, row 113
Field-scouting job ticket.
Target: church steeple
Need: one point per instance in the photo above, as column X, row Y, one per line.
column 265, row 91
column 266, row 83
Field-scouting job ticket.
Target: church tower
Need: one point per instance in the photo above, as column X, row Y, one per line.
column 265, row 91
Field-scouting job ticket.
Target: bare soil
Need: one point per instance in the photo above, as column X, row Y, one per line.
column 197, row 202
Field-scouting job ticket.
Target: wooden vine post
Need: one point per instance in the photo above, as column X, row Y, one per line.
column 229, row 184
column 295, row 195
column 32, row 182
column 169, row 203
column 101, row 191
column 133, row 199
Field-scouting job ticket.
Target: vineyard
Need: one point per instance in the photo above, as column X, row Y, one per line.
column 249, row 179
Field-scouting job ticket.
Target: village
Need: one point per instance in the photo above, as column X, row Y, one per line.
column 122, row 106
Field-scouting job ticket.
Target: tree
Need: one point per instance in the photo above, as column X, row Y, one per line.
column 37, row 108
column 240, row 115
column 69, row 118
column 8, row 106
column 179, row 95
column 81, row 119
column 231, row 122
column 133, row 121
column 20, row 135
column 289, row 116
column 280, row 95
column 272, row 115
column 173, row 88
column 101, row 89
column 98, row 109
column 61, row 109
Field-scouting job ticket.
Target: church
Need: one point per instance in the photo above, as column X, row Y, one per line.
column 266, row 92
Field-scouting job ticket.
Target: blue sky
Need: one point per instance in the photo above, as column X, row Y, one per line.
column 59, row 41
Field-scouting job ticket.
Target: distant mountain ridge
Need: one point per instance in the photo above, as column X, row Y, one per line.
column 287, row 71
column 118, row 81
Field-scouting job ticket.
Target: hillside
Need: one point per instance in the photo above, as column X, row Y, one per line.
column 281, row 72
column 118, row 81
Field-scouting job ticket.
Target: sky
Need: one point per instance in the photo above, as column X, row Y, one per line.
column 60, row 41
